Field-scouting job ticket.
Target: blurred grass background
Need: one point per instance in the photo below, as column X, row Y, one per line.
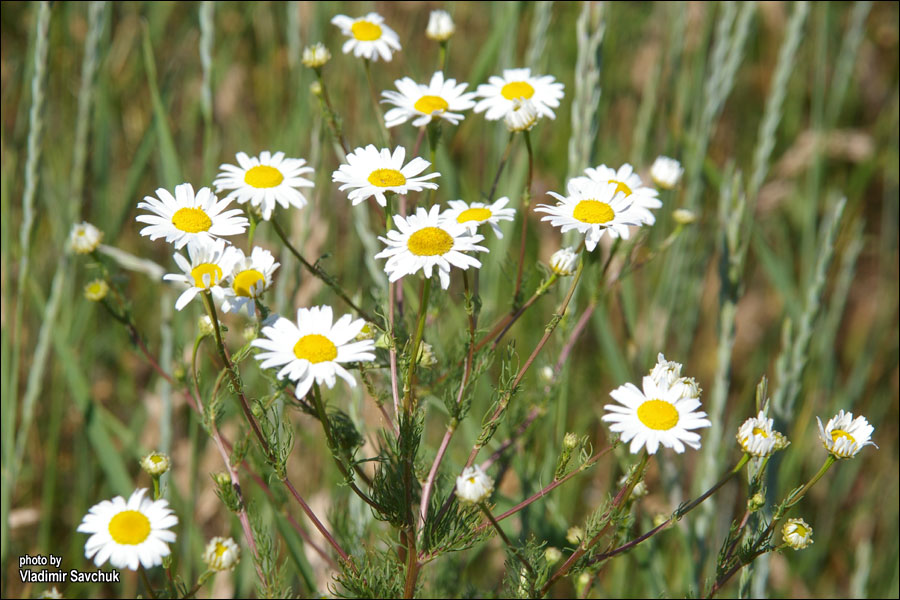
column 83, row 406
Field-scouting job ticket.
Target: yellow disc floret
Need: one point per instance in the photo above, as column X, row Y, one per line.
column 365, row 31
column 837, row 434
column 621, row 186
column 263, row 176
column 206, row 275
column 658, row 414
column 429, row 104
column 517, row 89
column 315, row 348
column 474, row 214
column 387, row 178
column 593, row 211
column 246, row 281
column 430, row 241
column 191, row 220
column 129, row 527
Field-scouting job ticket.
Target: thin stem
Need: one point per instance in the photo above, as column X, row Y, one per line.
column 379, row 116
column 505, row 539
column 526, row 203
column 503, row 160
column 146, row 581
column 412, row 565
column 417, row 340
column 333, row 122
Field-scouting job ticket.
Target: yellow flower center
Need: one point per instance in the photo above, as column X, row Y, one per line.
column 429, row 104
column 156, row 459
column 471, row 480
column 315, row 348
column 95, row 288
column 191, row 220
column 593, row 211
column 762, row 432
column 245, row 281
column 263, row 176
column 129, row 527
column 800, row 530
column 213, row 271
column 517, row 89
column 837, row 434
column 658, row 414
column 474, row 214
column 387, row 178
column 430, row 241
column 621, row 187
column 365, row 31
column 220, row 550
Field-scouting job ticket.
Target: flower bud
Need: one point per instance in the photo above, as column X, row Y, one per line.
column 316, row 56
column 84, row 238
column 563, row 262
column 96, row 290
column 156, row 463
column 221, row 554
column 440, row 26
column 666, row 172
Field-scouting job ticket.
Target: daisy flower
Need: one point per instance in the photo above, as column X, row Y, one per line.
column 203, row 272
column 129, row 533
column 440, row 26
column 96, row 290
column 844, row 436
column 372, row 172
column 642, row 198
column 265, row 180
column 666, row 172
column 563, row 262
column 667, row 373
column 221, row 554
column 156, row 463
column 424, row 241
column 591, row 208
column 316, row 56
column 313, row 349
column 440, row 99
column 797, row 533
column 369, row 36
column 84, row 238
column 473, row 214
column 757, row 437
column 657, row 415
column 473, row 486
column 499, row 93
column 246, row 277
column 187, row 218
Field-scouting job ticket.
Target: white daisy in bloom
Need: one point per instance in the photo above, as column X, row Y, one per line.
column 186, row 218
column 313, row 349
column 246, row 278
column 203, row 272
column 473, row 214
column 666, row 172
column 844, row 436
column 591, row 208
column 129, row 533
column 423, row 241
column 563, row 262
column 797, row 533
column 499, row 93
column 757, row 437
column 265, row 180
column 221, row 554
column 369, row 36
column 372, row 172
column 641, row 197
column 84, row 238
column 657, row 415
column 473, row 486
column 440, row 99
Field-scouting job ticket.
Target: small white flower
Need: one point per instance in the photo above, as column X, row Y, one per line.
column 757, row 437
column 203, row 272
column 593, row 209
column 665, row 372
column 221, row 554
column 474, row 214
column 666, row 172
column 657, row 415
column 440, row 26
column 96, row 290
column 522, row 116
column 423, row 241
column 129, row 533
column 84, row 238
column 156, row 463
column 313, row 349
column 188, row 219
column 369, row 36
column 518, row 84
column 563, row 262
column 316, row 56
column 683, row 216
column 440, row 99
column 264, row 181
column 246, row 278
column 473, row 486
column 372, row 172
column 641, row 197
column 844, row 436
column 797, row 533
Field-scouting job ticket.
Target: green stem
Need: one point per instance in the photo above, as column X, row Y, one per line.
column 146, row 581
column 417, row 340
column 526, row 203
column 379, row 116
column 505, row 539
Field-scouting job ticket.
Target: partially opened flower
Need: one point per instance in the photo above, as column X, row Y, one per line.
column 844, row 436
column 473, row 486
column 472, row 215
column 369, row 36
column 203, row 272
column 522, row 116
column 440, row 99
column 797, row 533
column 264, row 181
column 156, row 463
column 186, row 218
column 423, row 241
column 372, row 172
column 316, row 56
column 313, row 349
column 222, row 554
column 129, row 533
column 440, row 26
column 499, row 94
column 641, row 197
column 757, row 437
column 246, row 278
column 563, row 262
column 84, row 238
column 656, row 415
column 666, row 172
column 591, row 208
